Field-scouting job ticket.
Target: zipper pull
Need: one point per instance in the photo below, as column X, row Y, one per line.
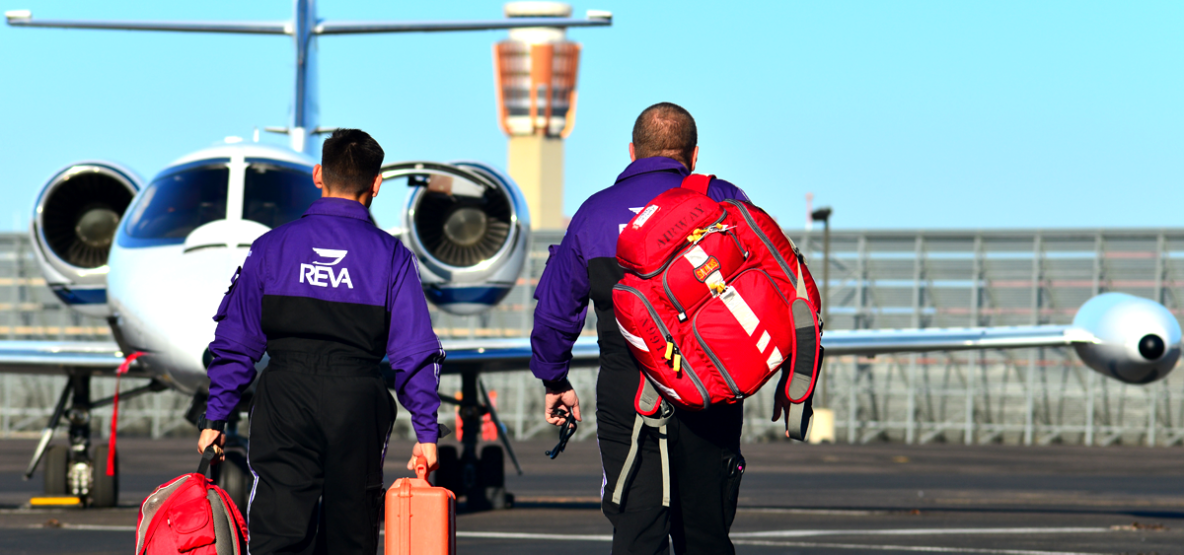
column 677, row 362
column 669, row 347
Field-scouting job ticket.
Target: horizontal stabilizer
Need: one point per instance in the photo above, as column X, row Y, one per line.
column 23, row 18
column 354, row 27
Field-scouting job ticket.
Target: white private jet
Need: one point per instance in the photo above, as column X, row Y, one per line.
column 111, row 245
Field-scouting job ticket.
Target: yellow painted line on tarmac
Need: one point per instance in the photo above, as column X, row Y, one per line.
column 57, row 501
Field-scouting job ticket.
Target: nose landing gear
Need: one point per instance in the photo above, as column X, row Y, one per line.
column 481, row 480
column 75, row 474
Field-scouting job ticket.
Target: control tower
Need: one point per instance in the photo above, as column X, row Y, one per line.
column 535, row 72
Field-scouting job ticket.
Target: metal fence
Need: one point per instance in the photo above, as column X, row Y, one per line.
column 879, row 279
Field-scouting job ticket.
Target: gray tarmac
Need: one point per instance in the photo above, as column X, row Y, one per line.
column 795, row 498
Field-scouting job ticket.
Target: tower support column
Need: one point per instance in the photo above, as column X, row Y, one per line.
column 536, row 164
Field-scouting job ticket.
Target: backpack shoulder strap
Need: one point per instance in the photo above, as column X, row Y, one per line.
column 697, row 182
column 655, row 412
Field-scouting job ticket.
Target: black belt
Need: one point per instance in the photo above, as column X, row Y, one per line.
column 329, row 364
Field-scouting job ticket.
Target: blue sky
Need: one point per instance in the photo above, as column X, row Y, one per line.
column 903, row 114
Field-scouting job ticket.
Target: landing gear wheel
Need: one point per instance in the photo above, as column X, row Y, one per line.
column 57, row 461
column 448, row 474
column 104, row 490
column 492, row 475
column 234, row 476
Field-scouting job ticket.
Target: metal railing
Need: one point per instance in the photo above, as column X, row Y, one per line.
column 879, row 279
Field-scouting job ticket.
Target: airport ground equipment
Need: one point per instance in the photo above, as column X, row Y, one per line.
column 189, row 514
column 420, row 518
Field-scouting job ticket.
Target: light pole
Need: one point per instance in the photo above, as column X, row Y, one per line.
column 823, row 215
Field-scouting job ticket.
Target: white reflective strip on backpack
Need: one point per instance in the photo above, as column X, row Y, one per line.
column 667, row 391
column 715, row 277
column 764, row 342
column 696, row 256
column 740, row 309
column 775, row 359
column 633, row 339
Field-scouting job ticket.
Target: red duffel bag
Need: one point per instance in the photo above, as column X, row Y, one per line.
column 715, row 300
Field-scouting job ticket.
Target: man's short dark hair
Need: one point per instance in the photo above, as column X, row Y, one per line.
column 665, row 129
column 350, row 160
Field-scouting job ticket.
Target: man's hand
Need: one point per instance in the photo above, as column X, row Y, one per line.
column 561, row 397
column 427, row 451
column 212, row 437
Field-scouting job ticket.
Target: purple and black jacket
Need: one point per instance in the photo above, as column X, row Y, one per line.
column 333, row 284
column 584, row 266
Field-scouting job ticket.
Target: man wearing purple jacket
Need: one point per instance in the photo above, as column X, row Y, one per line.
column 705, row 462
column 326, row 296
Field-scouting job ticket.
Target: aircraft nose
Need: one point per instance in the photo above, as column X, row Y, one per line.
column 1152, row 347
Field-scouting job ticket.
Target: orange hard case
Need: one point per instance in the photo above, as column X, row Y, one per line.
column 420, row 519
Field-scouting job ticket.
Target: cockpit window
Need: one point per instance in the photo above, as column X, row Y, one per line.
column 275, row 194
column 176, row 203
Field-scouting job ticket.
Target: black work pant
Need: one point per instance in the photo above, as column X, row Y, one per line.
column 705, row 472
column 319, row 428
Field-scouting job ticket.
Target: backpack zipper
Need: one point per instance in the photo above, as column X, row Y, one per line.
column 765, row 239
column 682, row 313
column 710, row 354
column 714, row 359
column 666, row 332
column 674, row 257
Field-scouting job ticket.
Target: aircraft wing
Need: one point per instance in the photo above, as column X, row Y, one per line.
column 496, row 355
column 504, row 355
column 875, row 342
column 54, row 357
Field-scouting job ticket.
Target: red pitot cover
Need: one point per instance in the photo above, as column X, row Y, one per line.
column 715, row 300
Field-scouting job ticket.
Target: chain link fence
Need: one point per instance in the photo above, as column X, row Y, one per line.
column 892, row 279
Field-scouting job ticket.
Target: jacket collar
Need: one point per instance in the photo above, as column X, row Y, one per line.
column 344, row 208
column 652, row 164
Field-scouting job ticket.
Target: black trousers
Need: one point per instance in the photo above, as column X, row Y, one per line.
column 705, row 471
column 319, row 428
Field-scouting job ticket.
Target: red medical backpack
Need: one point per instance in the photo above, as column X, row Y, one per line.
column 715, row 300
column 191, row 515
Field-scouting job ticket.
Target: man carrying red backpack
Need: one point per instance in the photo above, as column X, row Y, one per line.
column 702, row 480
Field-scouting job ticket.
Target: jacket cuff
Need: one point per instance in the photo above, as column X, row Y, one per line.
column 557, row 385
column 206, row 424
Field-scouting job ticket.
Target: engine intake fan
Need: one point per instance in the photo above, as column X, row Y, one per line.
column 81, row 214
column 469, row 226
column 74, row 224
column 463, row 231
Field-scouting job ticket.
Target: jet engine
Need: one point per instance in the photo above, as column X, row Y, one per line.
column 470, row 228
column 74, row 223
column 1136, row 341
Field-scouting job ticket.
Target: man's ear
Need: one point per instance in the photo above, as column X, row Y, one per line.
column 376, row 185
column 317, row 177
column 694, row 158
column 632, row 154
